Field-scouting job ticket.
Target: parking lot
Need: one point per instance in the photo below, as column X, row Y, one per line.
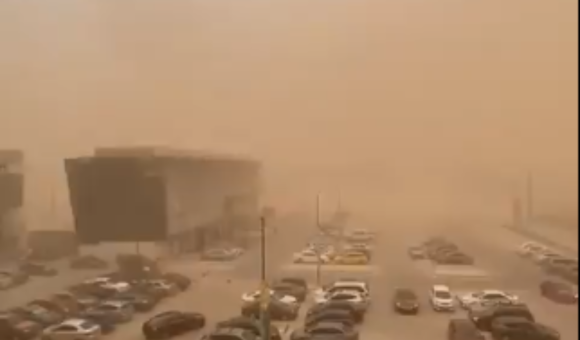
column 218, row 287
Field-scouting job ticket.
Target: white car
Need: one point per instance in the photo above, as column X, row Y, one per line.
column 119, row 287
column 353, row 297
column 73, row 329
column 255, row 296
column 441, row 298
column 484, row 297
column 338, row 286
column 311, row 257
column 528, row 249
column 97, row 280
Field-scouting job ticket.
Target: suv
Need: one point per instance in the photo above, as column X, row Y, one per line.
column 483, row 319
column 463, row 329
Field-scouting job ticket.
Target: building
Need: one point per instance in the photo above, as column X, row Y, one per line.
column 11, row 200
column 150, row 194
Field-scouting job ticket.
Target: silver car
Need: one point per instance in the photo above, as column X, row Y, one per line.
column 73, row 329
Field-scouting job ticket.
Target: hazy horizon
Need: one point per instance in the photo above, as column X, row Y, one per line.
column 409, row 108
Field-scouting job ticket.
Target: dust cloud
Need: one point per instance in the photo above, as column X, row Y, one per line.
column 399, row 107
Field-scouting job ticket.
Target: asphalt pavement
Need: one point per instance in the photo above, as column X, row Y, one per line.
column 218, row 287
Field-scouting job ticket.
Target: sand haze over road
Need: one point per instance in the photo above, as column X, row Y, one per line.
column 409, row 107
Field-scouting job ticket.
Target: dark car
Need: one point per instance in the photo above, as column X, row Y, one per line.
column 291, row 290
column 37, row 269
column 170, row 324
column 11, row 279
column 326, row 330
column 297, row 281
column 38, row 314
column 332, row 315
column 279, row 311
column 107, row 322
column 517, row 328
column 463, row 329
column 405, row 301
column 251, row 325
column 230, row 334
column 88, row 262
column 13, row 327
column 417, row 253
column 485, row 317
column 181, row 281
column 455, row 258
column 140, row 302
column 52, row 306
column 559, row 292
column 357, row 314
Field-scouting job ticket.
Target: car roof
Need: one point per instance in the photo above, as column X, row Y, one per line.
column 492, row 291
column 73, row 322
column 441, row 288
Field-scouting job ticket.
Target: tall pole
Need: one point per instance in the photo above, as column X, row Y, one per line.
column 530, row 198
column 265, row 292
column 318, row 255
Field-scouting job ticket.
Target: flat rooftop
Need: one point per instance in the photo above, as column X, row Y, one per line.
column 166, row 152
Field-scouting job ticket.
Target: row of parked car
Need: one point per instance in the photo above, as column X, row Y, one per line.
column 89, row 309
column 356, row 248
column 551, row 261
column 441, row 251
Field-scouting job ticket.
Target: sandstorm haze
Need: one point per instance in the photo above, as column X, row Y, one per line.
column 405, row 107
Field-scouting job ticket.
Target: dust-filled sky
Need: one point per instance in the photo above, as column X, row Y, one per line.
column 402, row 106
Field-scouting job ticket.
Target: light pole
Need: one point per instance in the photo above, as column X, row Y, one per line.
column 318, row 254
column 265, row 291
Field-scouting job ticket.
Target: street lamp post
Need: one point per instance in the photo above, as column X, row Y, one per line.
column 318, row 254
column 265, row 291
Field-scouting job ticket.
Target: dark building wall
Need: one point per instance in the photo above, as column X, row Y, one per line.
column 117, row 199
column 11, row 199
column 156, row 196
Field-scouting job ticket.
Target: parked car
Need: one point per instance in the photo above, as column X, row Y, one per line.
column 483, row 318
column 78, row 329
column 559, row 292
column 140, row 302
column 326, row 330
column 37, row 269
column 417, row 253
column 181, row 281
column 120, row 311
column 169, row 324
column 251, row 325
column 330, row 315
column 88, row 262
column 218, row 255
column 38, row 314
column 11, row 279
column 13, row 327
column 405, row 301
column 463, row 329
column 298, row 292
column 514, row 327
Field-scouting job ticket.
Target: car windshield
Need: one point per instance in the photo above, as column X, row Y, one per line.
column 342, row 297
column 343, row 288
column 443, row 295
column 87, row 325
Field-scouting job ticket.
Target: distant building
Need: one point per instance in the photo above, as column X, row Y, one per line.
column 11, row 199
column 160, row 194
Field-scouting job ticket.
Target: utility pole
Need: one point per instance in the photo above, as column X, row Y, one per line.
column 318, row 254
column 530, row 199
column 265, row 291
